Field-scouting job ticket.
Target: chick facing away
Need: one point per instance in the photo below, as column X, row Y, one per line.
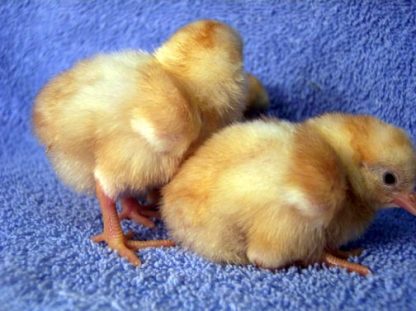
column 274, row 193
column 119, row 125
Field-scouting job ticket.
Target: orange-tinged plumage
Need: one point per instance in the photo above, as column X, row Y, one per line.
column 273, row 193
column 121, row 124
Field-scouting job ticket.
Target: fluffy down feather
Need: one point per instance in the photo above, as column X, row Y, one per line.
column 273, row 193
column 121, row 124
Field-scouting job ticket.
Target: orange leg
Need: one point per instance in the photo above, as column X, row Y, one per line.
column 333, row 260
column 131, row 209
column 113, row 234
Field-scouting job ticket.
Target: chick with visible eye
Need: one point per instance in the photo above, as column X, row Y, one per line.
column 121, row 124
column 275, row 193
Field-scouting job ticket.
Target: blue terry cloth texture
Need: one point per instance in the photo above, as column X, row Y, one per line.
column 313, row 56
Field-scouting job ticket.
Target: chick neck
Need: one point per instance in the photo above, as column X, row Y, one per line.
column 342, row 143
column 359, row 208
column 213, row 83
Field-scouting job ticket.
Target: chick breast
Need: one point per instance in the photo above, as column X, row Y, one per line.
column 256, row 192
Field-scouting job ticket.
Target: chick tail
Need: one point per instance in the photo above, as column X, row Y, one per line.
column 257, row 101
column 39, row 126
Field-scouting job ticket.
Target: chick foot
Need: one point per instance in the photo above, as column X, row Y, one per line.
column 125, row 247
column 118, row 244
column 136, row 245
column 113, row 234
column 335, row 261
column 131, row 209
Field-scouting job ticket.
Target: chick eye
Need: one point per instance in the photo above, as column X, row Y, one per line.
column 389, row 178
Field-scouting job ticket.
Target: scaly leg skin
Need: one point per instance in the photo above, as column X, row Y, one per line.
column 113, row 234
column 333, row 260
column 131, row 209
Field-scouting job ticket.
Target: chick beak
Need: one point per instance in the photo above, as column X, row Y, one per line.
column 406, row 201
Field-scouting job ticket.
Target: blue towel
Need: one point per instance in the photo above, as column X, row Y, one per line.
column 313, row 56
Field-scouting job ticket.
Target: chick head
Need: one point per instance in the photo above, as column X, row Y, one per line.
column 203, row 45
column 386, row 160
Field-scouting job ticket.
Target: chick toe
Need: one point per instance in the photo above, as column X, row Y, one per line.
column 131, row 209
column 136, row 245
column 127, row 246
column 113, row 234
column 335, row 261
column 119, row 246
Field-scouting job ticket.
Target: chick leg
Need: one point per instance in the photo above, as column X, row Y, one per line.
column 131, row 209
column 332, row 260
column 113, row 233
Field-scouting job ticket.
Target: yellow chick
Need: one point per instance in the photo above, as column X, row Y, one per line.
column 275, row 193
column 120, row 124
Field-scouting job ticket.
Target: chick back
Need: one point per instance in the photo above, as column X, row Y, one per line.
column 207, row 56
column 83, row 117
